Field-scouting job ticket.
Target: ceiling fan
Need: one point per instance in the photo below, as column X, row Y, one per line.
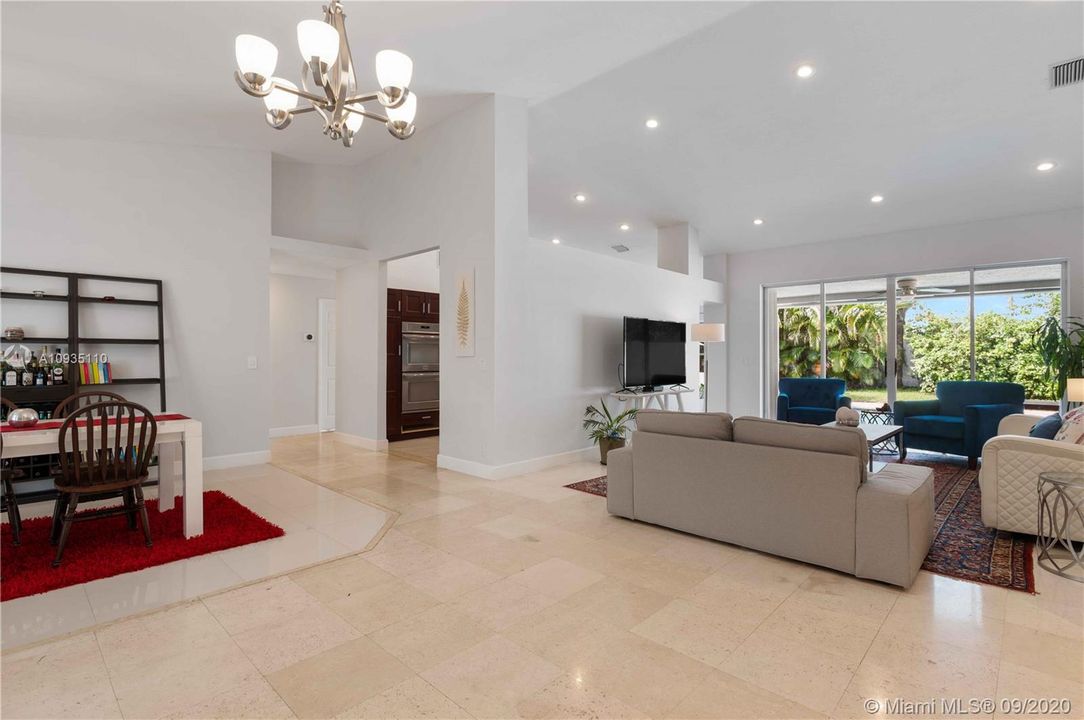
column 908, row 288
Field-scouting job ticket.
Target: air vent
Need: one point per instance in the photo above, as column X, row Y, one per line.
column 620, row 248
column 1067, row 73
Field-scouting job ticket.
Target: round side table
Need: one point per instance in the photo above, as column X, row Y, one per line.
column 1061, row 507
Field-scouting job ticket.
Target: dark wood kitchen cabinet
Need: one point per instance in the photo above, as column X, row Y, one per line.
column 406, row 306
column 420, row 306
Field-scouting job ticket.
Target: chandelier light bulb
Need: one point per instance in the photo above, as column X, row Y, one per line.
column 393, row 69
column 354, row 121
column 279, row 99
column 255, row 56
column 317, row 39
column 405, row 112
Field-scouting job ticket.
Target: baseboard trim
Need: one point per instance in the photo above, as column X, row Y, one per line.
column 294, row 430
column 218, row 462
column 503, row 472
column 362, row 442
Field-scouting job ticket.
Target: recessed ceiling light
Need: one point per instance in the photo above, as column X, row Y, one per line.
column 877, row 199
column 556, row 241
column 1046, row 166
column 651, row 123
column 624, row 226
column 579, row 197
column 758, row 221
column 805, row 71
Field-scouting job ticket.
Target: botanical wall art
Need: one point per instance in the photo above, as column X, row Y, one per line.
column 464, row 313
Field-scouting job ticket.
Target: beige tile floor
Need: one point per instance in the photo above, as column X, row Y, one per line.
column 423, row 450
column 521, row 599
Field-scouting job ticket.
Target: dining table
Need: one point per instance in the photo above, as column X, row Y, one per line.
column 179, row 442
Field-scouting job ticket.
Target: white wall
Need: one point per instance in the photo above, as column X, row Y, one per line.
column 548, row 318
column 416, row 272
column 196, row 218
column 1027, row 237
column 564, row 352
column 295, row 313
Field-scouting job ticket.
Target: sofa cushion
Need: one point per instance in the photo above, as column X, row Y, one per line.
column 1046, row 428
column 711, row 426
column 836, row 440
column 943, row 426
column 1072, row 427
column 955, row 395
column 811, row 415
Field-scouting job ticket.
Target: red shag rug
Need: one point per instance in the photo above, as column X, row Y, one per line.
column 106, row 547
column 964, row 548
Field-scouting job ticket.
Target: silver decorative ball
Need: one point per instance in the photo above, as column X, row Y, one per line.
column 23, row 417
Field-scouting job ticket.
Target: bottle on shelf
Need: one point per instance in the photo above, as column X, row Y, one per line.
column 45, row 367
column 11, row 375
column 27, row 378
column 58, row 368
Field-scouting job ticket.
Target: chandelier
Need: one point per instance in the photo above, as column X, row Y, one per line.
column 328, row 83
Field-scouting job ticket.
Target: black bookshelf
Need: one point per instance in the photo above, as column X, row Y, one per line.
column 37, row 472
column 49, row 395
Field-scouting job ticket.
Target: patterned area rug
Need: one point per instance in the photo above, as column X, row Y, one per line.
column 964, row 548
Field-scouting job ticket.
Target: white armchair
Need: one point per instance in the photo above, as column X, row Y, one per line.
column 1011, row 463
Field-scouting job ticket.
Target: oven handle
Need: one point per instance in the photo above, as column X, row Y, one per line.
column 422, row 336
column 434, row 375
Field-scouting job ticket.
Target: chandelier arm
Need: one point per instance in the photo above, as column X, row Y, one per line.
column 366, row 113
column 363, row 98
column 316, row 99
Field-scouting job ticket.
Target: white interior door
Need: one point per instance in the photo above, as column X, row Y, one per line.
column 326, row 366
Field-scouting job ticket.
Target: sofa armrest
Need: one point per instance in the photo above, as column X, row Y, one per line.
column 1010, row 470
column 619, row 489
column 908, row 408
column 1016, row 424
column 782, row 406
column 980, row 424
column 843, row 401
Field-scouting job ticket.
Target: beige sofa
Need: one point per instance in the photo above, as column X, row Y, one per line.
column 800, row 491
column 1011, row 463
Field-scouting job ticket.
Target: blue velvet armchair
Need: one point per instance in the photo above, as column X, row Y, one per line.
column 962, row 418
column 813, row 401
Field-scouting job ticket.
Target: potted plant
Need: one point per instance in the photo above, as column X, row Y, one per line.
column 605, row 429
column 1062, row 350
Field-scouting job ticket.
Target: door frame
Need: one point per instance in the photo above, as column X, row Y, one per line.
column 322, row 304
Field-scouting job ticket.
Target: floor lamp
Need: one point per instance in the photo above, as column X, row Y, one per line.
column 708, row 333
column 1074, row 392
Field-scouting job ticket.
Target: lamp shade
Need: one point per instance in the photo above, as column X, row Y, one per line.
column 405, row 112
column 354, row 121
column 709, row 332
column 279, row 99
column 255, row 55
column 317, row 39
column 393, row 69
column 1074, row 389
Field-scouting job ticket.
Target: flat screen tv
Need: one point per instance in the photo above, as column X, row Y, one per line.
column 654, row 353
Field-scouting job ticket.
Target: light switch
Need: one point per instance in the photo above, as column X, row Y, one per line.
column 251, row 362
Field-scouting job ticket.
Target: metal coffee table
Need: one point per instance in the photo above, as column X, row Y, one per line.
column 1061, row 508
column 877, row 434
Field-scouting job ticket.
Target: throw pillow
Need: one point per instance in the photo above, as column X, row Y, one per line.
column 1047, row 428
column 1072, row 427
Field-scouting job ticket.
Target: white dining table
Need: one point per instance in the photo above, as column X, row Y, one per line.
column 179, row 438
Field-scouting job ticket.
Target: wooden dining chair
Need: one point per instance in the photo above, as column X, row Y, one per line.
column 81, row 399
column 8, row 475
column 104, row 448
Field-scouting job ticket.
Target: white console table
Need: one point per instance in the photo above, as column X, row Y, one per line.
column 660, row 397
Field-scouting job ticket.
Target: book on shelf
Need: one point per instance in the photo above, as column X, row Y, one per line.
column 95, row 373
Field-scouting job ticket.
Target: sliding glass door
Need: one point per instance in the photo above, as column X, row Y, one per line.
column 933, row 332
column 898, row 336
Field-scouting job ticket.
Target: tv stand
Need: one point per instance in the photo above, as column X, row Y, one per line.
column 661, row 398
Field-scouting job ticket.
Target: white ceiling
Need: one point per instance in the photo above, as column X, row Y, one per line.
column 943, row 108
column 163, row 71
